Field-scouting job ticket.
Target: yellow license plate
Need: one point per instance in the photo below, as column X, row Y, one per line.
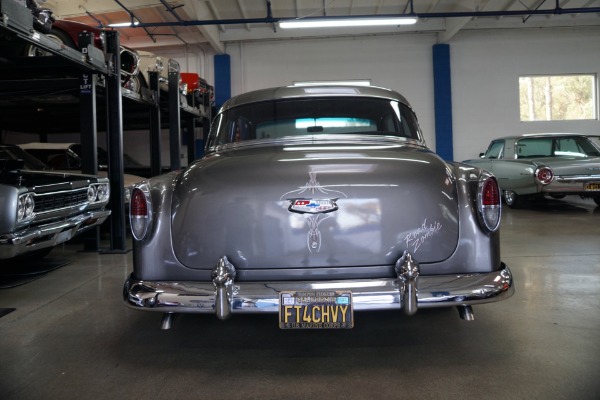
column 328, row 309
column 592, row 187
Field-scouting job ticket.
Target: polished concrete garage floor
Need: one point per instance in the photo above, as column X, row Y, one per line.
column 71, row 337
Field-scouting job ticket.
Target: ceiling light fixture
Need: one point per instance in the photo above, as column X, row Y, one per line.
column 124, row 24
column 332, row 22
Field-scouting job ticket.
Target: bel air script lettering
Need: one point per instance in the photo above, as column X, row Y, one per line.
column 419, row 236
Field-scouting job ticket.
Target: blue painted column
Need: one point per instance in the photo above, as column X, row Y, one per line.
column 222, row 79
column 442, row 92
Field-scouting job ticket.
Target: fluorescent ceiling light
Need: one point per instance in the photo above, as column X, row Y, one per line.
column 334, row 83
column 124, row 24
column 345, row 22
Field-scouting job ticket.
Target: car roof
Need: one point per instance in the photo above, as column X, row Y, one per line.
column 542, row 135
column 289, row 92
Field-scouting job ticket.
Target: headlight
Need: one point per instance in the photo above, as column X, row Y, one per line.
column 91, row 193
column 25, row 207
column 98, row 193
column 103, row 192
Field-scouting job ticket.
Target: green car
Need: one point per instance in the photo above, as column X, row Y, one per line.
column 535, row 165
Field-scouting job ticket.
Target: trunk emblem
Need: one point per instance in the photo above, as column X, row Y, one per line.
column 312, row 206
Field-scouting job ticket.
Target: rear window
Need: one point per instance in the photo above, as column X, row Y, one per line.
column 556, row 147
column 325, row 116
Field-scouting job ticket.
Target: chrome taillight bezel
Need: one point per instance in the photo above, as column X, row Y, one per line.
column 489, row 215
column 140, row 224
column 544, row 175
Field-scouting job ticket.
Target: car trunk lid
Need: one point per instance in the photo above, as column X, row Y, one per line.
column 273, row 207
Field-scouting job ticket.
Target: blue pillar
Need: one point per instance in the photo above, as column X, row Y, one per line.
column 442, row 92
column 222, row 79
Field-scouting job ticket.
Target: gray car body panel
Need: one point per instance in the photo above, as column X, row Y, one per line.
column 234, row 203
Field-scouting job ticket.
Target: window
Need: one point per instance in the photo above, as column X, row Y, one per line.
column 558, row 97
column 579, row 147
column 314, row 116
column 495, row 149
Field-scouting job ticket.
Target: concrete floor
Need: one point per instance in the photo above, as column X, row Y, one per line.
column 71, row 337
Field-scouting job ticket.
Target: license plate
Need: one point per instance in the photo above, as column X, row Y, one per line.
column 316, row 310
column 592, row 187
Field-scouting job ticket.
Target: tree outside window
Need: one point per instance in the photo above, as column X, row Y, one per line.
column 558, row 97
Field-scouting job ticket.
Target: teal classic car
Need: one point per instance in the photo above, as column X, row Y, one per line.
column 535, row 165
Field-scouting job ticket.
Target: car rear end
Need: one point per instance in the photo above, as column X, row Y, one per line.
column 372, row 221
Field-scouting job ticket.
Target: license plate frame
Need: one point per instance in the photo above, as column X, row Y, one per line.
column 592, row 187
column 316, row 309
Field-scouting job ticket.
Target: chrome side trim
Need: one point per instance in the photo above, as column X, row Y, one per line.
column 576, row 178
column 367, row 294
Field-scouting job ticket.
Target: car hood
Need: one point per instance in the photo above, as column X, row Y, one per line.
column 372, row 202
column 42, row 181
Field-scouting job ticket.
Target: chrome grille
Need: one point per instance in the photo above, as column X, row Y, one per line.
column 59, row 200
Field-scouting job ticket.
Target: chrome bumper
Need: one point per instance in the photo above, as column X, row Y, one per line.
column 409, row 291
column 49, row 235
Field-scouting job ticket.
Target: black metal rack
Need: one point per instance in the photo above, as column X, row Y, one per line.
column 67, row 92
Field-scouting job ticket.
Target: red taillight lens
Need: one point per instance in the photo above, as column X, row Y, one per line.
column 140, row 214
column 544, row 175
column 488, row 203
column 138, row 205
column 490, row 195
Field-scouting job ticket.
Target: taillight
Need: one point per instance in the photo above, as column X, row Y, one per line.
column 489, row 204
column 544, row 175
column 139, row 213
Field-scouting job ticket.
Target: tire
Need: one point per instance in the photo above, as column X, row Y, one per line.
column 558, row 196
column 512, row 199
column 597, row 200
column 55, row 35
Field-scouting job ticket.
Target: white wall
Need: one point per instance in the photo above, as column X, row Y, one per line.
column 485, row 81
column 402, row 63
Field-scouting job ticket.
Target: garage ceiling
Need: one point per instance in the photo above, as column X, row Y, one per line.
column 213, row 23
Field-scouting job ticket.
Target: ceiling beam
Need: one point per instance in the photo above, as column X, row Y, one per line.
column 199, row 10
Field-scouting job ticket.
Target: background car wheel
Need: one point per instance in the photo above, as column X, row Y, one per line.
column 55, row 35
column 512, row 199
column 597, row 200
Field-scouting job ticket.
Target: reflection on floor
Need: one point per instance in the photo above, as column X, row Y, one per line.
column 21, row 271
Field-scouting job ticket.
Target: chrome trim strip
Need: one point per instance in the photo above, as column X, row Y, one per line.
column 576, row 178
column 367, row 294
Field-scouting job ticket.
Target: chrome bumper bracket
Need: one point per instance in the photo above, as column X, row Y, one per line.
column 222, row 277
column 407, row 270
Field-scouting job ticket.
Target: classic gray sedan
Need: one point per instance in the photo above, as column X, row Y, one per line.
column 312, row 203
column 534, row 165
column 40, row 209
